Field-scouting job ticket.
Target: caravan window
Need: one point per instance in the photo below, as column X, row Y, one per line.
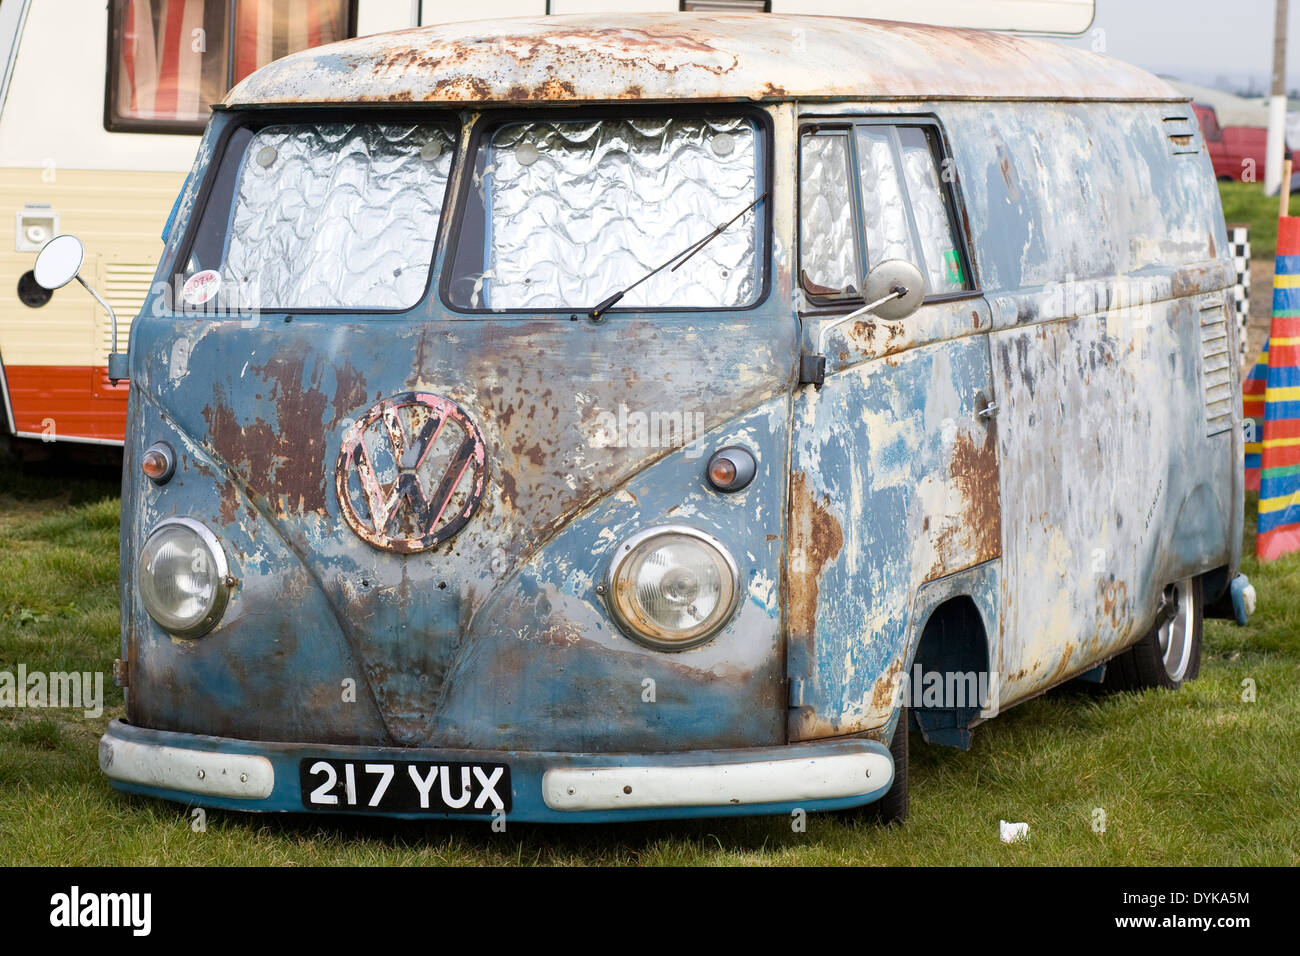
column 170, row 60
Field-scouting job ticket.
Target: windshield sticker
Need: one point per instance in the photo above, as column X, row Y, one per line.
column 201, row 287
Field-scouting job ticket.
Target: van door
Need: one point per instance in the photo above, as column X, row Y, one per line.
column 894, row 464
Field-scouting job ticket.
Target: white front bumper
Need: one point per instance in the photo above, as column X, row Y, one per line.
column 189, row 771
column 765, row 781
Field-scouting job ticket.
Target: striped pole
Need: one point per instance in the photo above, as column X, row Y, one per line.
column 1279, row 474
column 1252, row 413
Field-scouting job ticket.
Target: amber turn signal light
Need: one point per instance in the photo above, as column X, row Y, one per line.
column 158, row 462
column 722, row 472
column 731, row 468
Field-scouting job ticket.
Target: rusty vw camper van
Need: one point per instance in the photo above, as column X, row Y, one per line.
column 580, row 419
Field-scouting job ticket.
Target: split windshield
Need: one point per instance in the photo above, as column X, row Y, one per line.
column 563, row 214
column 558, row 215
column 335, row 215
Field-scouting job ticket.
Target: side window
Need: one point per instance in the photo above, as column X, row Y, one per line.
column 895, row 205
column 170, row 60
column 828, row 252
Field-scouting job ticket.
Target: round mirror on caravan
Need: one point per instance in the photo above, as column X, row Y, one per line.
column 58, row 262
column 901, row 286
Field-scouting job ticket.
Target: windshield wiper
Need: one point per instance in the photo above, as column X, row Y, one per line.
column 684, row 256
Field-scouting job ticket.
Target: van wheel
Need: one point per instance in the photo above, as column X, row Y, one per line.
column 1170, row 654
column 891, row 809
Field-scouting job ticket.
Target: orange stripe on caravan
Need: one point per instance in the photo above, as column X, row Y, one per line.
column 62, row 400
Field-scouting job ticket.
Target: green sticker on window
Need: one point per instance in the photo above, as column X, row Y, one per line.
column 953, row 262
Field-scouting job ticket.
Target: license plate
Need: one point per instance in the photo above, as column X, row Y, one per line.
column 404, row 786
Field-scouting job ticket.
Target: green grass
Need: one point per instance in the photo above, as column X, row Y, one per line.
column 1246, row 203
column 1194, row 777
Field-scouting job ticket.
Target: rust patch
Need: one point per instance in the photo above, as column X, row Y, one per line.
column 548, row 89
column 284, row 461
column 229, row 502
column 508, row 488
column 1199, row 279
column 349, row 391
column 864, row 329
column 885, row 691
column 974, row 470
column 815, row 541
column 460, row 88
column 1008, row 174
column 1114, row 600
column 1061, row 666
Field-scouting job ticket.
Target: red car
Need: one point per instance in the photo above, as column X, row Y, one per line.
column 1233, row 149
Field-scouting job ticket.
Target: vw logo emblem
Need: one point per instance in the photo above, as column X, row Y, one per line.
column 411, row 472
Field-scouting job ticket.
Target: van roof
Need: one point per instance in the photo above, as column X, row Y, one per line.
column 719, row 57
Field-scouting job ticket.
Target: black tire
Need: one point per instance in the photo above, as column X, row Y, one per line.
column 891, row 809
column 1149, row 664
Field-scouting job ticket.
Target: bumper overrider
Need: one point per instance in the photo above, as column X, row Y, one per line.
column 405, row 782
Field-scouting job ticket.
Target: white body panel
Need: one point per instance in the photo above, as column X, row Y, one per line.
column 54, row 114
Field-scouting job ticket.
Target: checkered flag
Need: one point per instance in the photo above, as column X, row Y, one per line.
column 1239, row 241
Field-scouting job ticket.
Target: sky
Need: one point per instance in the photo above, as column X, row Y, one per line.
column 1224, row 43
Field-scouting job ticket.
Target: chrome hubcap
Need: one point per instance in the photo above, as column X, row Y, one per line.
column 1175, row 634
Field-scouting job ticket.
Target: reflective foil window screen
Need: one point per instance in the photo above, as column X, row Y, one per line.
column 943, row 264
column 828, row 254
column 336, row 216
column 884, row 207
column 904, row 208
column 572, row 212
column 905, row 215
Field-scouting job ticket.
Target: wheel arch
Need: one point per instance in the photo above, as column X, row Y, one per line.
column 955, row 618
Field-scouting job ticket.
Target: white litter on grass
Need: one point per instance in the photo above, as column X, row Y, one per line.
column 1013, row 832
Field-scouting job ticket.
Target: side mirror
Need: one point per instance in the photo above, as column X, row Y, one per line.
column 894, row 290
column 57, row 264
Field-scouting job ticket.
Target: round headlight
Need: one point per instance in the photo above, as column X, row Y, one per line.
column 672, row 587
column 182, row 577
